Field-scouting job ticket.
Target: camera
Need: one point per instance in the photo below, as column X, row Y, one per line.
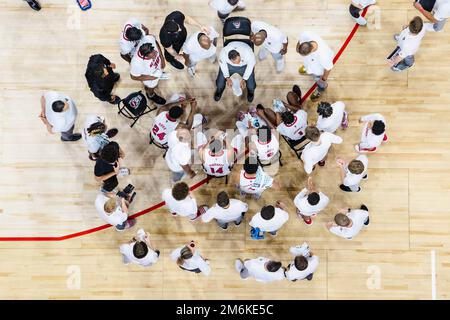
column 127, row 193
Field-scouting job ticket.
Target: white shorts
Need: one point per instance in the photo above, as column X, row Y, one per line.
column 151, row 83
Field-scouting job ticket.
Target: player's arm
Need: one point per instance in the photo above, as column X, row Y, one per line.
column 325, row 75
column 191, row 21
column 108, row 175
column 285, row 46
column 190, row 119
column 426, row 13
column 163, row 61
column 147, row 32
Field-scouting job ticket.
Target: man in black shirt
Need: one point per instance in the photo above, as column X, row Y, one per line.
column 173, row 34
column 107, row 167
column 101, row 78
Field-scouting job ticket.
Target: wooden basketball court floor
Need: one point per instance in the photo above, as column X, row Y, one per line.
column 48, row 188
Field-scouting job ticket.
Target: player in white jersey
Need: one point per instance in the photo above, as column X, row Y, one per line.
column 253, row 180
column 147, row 66
column 353, row 172
column 309, row 202
column 355, row 10
column 331, row 116
column 225, row 211
column 348, row 223
column 132, row 33
column 225, row 7
column 261, row 269
column 373, row 133
column 217, row 159
column 304, row 265
column 198, row 47
column 265, row 145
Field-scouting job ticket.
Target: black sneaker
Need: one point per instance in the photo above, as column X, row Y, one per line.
column 367, row 222
column 111, row 133
column 34, row 4
column 157, row 99
column 217, row 95
column 250, row 96
column 297, row 91
column 177, row 64
column 363, row 207
column 224, row 228
column 74, row 137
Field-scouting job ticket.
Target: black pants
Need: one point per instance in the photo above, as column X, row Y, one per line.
column 354, row 11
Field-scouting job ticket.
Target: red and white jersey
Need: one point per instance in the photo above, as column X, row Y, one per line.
column 128, row 46
column 162, row 127
column 141, row 65
column 255, row 185
column 216, row 166
column 296, row 130
column 268, row 150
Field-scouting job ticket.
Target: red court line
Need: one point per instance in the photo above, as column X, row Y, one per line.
column 196, row 186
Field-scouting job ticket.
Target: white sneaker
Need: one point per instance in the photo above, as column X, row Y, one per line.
column 280, row 65
column 361, row 21
column 191, row 72
column 262, row 55
column 239, row 265
column 165, row 76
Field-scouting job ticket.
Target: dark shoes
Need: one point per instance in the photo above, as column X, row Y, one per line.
column 177, row 64
column 74, row 137
column 112, row 133
column 250, row 96
column 297, row 91
column 34, row 4
column 157, row 99
column 217, row 95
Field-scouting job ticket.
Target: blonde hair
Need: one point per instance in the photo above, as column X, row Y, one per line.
column 110, row 206
column 185, row 254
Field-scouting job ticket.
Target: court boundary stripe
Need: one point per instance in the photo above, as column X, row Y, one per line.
column 194, row 187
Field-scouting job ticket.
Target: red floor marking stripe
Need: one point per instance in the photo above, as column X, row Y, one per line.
column 196, row 186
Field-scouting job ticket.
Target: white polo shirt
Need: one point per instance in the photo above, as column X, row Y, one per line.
column 294, row 274
column 409, row 43
column 232, row 213
column 352, row 179
column 302, row 204
column 150, row 259
column 127, row 46
column 60, row 121
column 224, row 7
column 320, row 60
column 333, row 122
column 358, row 218
column 196, row 262
column 364, row 3
column 315, row 152
column 268, row 150
column 296, row 130
column 195, row 51
column 256, row 269
column 184, row 208
column 97, row 142
column 178, row 154
column 257, row 184
column 143, row 66
column 441, row 10
column 274, row 224
column 367, row 136
column 247, row 58
column 275, row 37
column 115, row 218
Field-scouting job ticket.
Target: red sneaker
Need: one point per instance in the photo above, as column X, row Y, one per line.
column 308, row 222
column 385, row 138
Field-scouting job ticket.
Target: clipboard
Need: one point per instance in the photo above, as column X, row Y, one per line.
column 394, row 53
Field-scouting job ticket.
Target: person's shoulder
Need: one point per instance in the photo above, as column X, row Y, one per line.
column 167, row 194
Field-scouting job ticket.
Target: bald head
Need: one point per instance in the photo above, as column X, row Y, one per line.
column 259, row 38
column 204, row 41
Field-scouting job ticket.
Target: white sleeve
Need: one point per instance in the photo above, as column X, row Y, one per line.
column 339, row 231
column 208, row 216
column 250, row 65
column 335, row 139
column 223, row 62
column 176, row 253
column 203, row 265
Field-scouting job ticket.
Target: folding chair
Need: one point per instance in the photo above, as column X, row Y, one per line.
column 235, row 26
column 297, row 145
column 134, row 107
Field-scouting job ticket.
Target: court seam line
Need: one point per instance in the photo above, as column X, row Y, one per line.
column 194, row 187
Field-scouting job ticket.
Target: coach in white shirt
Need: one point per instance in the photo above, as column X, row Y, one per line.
column 180, row 202
column 373, row 133
column 331, row 116
column 58, row 113
column 356, row 7
column 236, row 57
column 309, row 202
column 225, row 7
column 304, row 265
column 316, row 151
column 261, row 269
column 140, row 250
column 132, row 33
column 408, row 42
column 272, row 39
column 114, row 211
column 353, row 173
column 198, row 47
column 271, row 218
column 189, row 259
column 226, row 210
column 439, row 14
column 348, row 223
column 178, row 156
column 317, row 60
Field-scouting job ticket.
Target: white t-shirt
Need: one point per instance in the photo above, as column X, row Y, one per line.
column 196, row 262
column 232, row 213
column 184, row 208
column 278, row 220
column 364, row 3
column 294, row 274
column 247, row 58
column 97, row 142
column 352, row 179
column 150, row 259
column 143, row 66
column 441, row 10
column 255, row 185
column 320, row 60
column 296, row 130
column 196, row 53
column 368, row 139
column 333, row 122
column 316, row 152
column 127, row 46
column 266, row 151
column 224, row 7
column 409, row 43
column 60, row 121
column 275, row 37
column 358, row 218
column 115, row 218
column 162, row 127
column 256, row 269
column 178, row 154
column 302, row 204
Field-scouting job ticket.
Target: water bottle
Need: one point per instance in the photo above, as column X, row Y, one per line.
column 237, row 90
